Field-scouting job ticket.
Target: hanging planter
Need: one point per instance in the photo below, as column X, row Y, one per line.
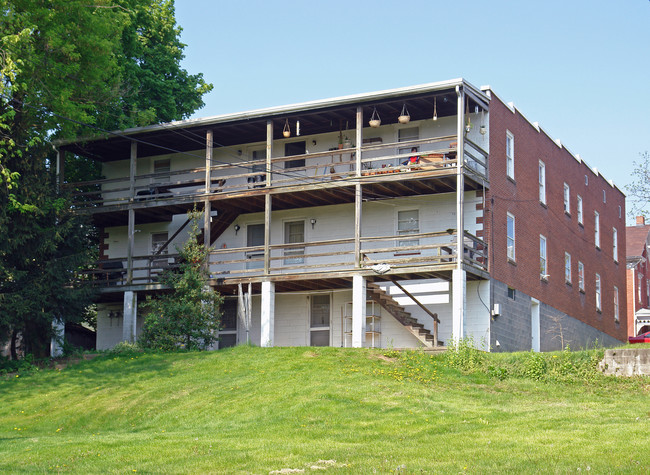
column 287, row 130
column 404, row 117
column 375, row 120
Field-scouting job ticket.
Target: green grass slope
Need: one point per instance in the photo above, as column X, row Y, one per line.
column 323, row 410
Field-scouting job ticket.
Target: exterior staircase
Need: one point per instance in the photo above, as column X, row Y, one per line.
column 374, row 292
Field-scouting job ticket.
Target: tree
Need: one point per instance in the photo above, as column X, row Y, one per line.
column 67, row 68
column 187, row 317
column 639, row 189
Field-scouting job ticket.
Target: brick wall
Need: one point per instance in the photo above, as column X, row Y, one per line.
column 520, row 197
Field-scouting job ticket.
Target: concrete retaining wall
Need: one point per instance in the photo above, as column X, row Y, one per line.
column 626, row 362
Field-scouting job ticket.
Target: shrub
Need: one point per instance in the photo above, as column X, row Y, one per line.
column 465, row 355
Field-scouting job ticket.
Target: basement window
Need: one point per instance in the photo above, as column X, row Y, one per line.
column 511, row 293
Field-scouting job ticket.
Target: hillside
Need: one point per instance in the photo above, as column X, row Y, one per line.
column 329, row 410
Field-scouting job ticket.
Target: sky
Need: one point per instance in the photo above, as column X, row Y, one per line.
column 580, row 68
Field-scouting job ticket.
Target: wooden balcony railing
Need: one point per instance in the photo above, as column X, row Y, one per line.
column 437, row 156
column 424, row 251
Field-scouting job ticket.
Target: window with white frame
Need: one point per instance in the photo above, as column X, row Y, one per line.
column 615, row 244
column 620, row 211
column 586, row 180
column 294, row 233
column 616, row 310
column 567, row 199
column 542, row 182
column 162, row 168
column 598, row 296
column 581, row 276
column 407, row 135
column 579, row 209
column 408, row 222
column 542, row 257
column 604, row 196
column 597, row 229
column 639, row 287
column 510, row 232
column 158, row 250
column 567, row 267
column 510, row 154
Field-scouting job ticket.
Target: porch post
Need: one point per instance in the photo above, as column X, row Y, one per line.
column 207, row 208
column 268, row 314
column 459, row 277
column 267, row 198
column 131, row 215
column 358, row 311
column 359, row 138
column 459, row 300
column 130, row 316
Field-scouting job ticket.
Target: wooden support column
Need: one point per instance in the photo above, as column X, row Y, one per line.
column 358, row 209
column 131, row 215
column 207, row 208
column 267, row 198
column 359, row 138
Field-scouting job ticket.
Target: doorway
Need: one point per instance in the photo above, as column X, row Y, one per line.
column 535, row 325
column 319, row 326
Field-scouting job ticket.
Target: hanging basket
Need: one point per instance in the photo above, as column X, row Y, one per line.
column 286, row 132
column 404, row 117
column 375, row 120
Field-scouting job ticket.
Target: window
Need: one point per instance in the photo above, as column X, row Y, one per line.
column 510, row 154
column 567, row 267
column 598, row 296
column 511, row 293
column 615, row 304
column 542, row 258
column 579, row 211
column 158, row 240
column 586, row 180
column 542, row 182
column 567, row 198
column 295, row 148
column 255, row 237
column 639, row 287
column 620, row 211
column 407, row 135
column 597, row 229
column 163, row 167
column 581, row 276
column 258, row 181
column 604, row 196
column 408, row 222
column 511, row 237
column 615, row 244
column 294, row 233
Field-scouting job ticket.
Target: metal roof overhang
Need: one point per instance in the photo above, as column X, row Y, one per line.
column 316, row 117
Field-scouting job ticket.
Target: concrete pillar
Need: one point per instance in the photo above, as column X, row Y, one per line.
column 268, row 314
column 130, row 316
column 56, row 344
column 358, row 311
column 459, row 301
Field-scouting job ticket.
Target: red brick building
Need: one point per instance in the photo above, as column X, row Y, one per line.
column 638, row 271
column 555, row 228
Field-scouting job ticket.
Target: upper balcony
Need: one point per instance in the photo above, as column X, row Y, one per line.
column 304, row 155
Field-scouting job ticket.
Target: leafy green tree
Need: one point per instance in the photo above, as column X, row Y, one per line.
column 188, row 316
column 65, row 65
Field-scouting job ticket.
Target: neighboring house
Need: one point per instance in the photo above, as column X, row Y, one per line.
column 343, row 217
column 638, row 273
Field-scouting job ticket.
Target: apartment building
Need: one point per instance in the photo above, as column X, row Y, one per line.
column 403, row 218
column 638, row 275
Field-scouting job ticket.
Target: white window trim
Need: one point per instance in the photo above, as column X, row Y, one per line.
column 415, row 241
column 581, row 276
column 543, row 258
column 616, row 305
column 599, row 299
column 510, row 155
column 567, row 268
column 512, row 258
column 567, row 198
column 597, row 229
column 542, row 182
column 579, row 209
column 615, row 244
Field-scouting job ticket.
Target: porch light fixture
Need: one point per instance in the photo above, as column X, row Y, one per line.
column 237, row 228
column 483, row 128
column 404, row 117
column 313, row 222
column 375, row 120
column 286, row 131
column 435, row 108
column 297, row 128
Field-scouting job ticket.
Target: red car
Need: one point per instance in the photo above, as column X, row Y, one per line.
column 642, row 338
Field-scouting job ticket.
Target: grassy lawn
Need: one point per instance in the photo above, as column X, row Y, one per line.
column 254, row 410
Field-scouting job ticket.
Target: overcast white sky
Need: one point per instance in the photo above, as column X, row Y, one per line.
column 580, row 68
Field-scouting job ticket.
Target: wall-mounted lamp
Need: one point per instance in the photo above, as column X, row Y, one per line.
column 239, row 152
column 313, row 142
column 313, row 222
column 237, row 228
column 435, row 108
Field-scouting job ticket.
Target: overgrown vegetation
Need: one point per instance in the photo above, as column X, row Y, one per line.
column 321, row 410
column 188, row 316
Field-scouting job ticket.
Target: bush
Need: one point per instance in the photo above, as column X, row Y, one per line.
column 465, row 355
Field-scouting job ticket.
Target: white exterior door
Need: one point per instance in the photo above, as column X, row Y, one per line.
column 535, row 325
